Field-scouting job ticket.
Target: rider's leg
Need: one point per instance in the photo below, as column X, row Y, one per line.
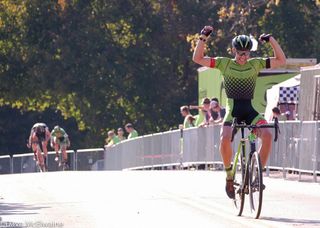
column 34, row 149
column 226, row 153
column 45, row 152
column 39, row 156
column 45, row 148
column 266, row 143
column 56, row 148
column 64, row 153
column 226, row 149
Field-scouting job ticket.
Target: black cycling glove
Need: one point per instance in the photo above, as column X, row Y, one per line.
column 206, row 31
column 265, row 37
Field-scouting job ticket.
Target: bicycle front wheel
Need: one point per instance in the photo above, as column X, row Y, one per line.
column 255, row 185
column 239, row 183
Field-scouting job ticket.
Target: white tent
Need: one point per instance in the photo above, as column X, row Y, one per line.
column 284, row 92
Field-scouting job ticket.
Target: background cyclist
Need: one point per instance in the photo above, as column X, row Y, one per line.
column 39, row 135
column 60, row 140
column 239, row 78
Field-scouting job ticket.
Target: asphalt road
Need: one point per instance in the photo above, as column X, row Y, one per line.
column 148, row 199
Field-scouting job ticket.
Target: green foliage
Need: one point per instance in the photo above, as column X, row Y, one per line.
column 295, row 24
column 106, row 63
column 15, row 129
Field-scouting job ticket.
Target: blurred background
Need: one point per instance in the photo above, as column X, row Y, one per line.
column 92, row 66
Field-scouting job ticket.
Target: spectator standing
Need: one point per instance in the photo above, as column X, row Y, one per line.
column 132, row 132
column 112, row 139
column 120, row 135
column 188, row 118
column 217, row 111
column 204, row 111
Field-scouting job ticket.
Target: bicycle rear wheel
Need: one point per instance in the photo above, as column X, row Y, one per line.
column 255, row 185
column 239, row 182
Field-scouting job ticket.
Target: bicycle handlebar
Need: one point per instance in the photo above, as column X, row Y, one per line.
column 236, row 125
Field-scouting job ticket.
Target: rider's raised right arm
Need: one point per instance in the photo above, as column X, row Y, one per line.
column 198, row 55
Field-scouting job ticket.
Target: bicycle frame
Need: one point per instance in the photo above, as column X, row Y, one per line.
column 242, row 149
column 242, row 145
column 252, row 140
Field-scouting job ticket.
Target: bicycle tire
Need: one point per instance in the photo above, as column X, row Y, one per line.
column 239, row 181
column 255, row 185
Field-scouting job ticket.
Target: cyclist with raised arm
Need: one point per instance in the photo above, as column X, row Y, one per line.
column 239, row 77
column 39, row 137
column 60, row 140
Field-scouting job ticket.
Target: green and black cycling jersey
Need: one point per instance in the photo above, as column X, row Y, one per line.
column 60, row 135
column 240, row 82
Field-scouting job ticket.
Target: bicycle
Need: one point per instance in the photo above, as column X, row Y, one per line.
column 248, row 177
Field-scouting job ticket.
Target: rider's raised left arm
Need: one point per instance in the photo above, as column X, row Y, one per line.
column 279, row 58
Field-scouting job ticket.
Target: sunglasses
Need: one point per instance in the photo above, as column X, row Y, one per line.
column 243, row 53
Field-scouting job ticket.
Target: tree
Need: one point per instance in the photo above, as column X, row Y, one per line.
column 106, row 63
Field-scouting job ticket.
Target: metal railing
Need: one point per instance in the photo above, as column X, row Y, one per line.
column 25, row 163
column 5, row 164
column 86, row 159
column 297, row 149
column 89, row 159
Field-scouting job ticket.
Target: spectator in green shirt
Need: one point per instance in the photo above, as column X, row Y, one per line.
column 188, row 118
column 112, row 139
column 120, row 135
column 132, row 132
column 204, row 112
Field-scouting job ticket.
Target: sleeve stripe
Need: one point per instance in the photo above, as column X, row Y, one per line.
column 212, row 63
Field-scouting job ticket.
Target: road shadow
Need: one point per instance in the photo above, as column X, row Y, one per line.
column 294, row 221
column 18, row 209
